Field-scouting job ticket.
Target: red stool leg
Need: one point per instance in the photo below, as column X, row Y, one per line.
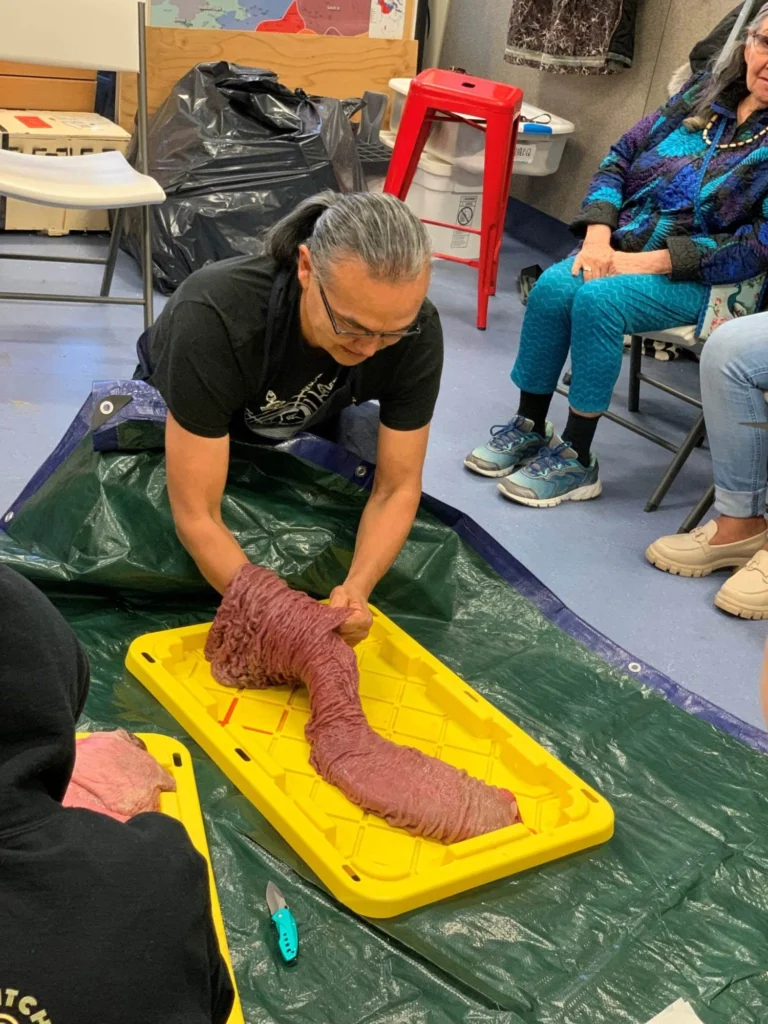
column 498, row 142
column 504, row 203
column 412, row 134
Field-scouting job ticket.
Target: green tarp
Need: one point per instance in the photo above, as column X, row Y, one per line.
column 676, row 905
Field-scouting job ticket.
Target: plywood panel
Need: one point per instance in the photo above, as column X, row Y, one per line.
column 323, row 65
column 18, row 92
column 45, row 71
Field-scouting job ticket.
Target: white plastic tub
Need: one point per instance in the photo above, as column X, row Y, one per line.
column 446, row 192
column 540, row 142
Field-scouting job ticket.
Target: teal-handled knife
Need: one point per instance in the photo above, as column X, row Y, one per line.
column 285, row 923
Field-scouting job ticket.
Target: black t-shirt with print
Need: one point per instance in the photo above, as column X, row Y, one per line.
column 228, row 356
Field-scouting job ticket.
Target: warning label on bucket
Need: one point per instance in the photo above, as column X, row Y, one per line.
column 465, row 217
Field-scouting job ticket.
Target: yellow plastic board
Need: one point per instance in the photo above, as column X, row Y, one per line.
column 184, row 805
column 257, row 738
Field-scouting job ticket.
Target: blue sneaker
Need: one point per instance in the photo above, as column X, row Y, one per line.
column 554, row 475
column 510, row 445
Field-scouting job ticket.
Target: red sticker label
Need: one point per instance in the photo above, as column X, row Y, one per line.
column 33, row 122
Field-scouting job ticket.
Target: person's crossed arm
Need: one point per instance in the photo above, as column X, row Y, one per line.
column 600, row 210
column 596, row 256
column 602, row 205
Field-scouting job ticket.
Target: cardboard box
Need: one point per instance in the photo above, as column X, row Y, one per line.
column 46, row 134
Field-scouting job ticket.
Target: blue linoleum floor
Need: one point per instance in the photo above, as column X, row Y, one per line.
column 590, row 553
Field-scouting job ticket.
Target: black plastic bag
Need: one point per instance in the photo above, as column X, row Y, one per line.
column 235, row 151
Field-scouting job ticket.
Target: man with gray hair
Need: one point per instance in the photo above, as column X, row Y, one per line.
column 333, row 314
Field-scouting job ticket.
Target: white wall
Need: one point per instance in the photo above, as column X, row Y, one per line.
column 601, row 107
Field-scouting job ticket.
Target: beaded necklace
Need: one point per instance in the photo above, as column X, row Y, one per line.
column 730, row 145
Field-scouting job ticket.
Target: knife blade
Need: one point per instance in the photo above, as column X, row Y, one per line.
column 285, row 924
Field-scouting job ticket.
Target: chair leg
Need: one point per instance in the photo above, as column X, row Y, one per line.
column 504, row 205
column 498, row 168
column 635, row 363
column 412, row 134
column 696, row 432
column 146, row 267
column 698, row 512
column 114, row 247
column 143, row 165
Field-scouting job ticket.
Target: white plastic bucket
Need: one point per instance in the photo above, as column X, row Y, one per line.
column 540, row 142
column 446, row 192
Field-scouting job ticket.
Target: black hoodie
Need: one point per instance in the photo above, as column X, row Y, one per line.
column 100, row 922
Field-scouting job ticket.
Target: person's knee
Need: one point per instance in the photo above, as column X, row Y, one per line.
column 731, row 341
column 600, row 298
column 555, row 287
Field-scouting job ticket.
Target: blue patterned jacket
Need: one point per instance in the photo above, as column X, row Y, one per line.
column 650, row 191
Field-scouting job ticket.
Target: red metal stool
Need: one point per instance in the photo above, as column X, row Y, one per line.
column 490, row 107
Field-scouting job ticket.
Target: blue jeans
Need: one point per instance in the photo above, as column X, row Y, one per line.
column 734, row 375
column 591, row 320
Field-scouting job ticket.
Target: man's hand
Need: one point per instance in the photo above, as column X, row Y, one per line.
column 596, row 255
column 658, row 262
column 358, row 625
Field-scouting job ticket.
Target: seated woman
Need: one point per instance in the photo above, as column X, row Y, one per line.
column 734, row 379
column 677, row 205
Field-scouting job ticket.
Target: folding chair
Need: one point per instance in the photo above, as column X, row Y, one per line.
column 684, row 336
column 104, row 35
column 699, row 510
column 703, row 505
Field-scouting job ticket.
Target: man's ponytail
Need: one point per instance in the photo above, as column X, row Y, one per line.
column 284, row 238
column 379, row 230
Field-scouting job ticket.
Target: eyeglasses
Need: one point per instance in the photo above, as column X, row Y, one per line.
column 759, row 41
column 409, row 332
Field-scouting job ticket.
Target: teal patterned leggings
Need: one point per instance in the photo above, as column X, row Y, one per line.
column 591, row 320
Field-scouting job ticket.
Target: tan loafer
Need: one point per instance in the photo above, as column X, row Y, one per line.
column 691, row 554
column 746, row 593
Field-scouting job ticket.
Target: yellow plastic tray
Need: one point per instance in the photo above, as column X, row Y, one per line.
column 184, row 805
column 257, row 738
